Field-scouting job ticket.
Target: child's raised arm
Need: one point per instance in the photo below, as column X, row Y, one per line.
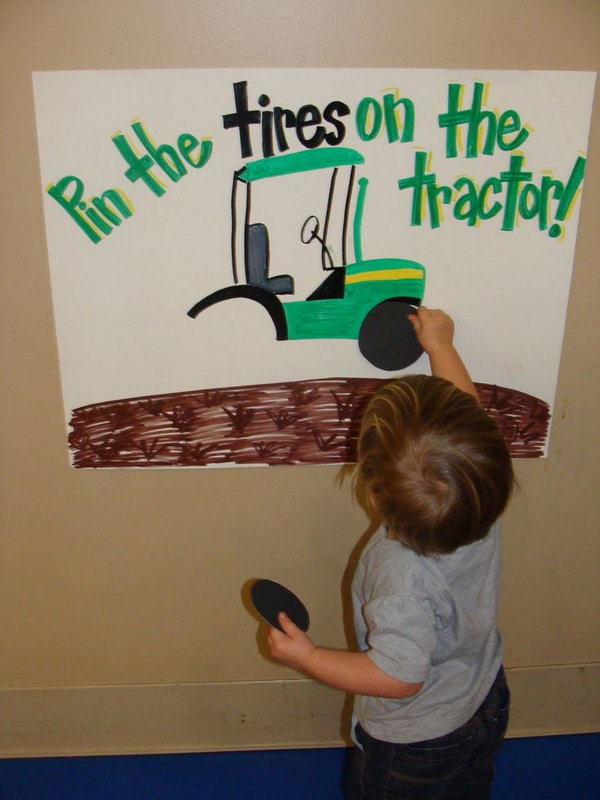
column 435, row 331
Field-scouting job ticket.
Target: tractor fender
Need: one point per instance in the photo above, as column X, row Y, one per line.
column 267, row 299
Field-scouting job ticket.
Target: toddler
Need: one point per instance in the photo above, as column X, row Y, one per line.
column 431, row 705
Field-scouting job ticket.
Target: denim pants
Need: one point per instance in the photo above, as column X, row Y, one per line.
column 457, row 766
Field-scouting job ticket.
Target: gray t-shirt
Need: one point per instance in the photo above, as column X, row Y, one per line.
column 430, row 620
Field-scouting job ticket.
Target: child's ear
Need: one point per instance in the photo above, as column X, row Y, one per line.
column 371, row 501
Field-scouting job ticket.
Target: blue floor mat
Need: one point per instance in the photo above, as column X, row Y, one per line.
column 543, row 768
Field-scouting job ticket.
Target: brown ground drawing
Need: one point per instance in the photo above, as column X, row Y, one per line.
column 298, row 422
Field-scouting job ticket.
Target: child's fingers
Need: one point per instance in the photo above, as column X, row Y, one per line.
column 416, row 319
column 289, row 628
column 275, row 636
column 416, row 325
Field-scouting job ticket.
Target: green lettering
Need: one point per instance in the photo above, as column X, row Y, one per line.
column 472, row 117
column 390, row 103
column 495, row 186
column 513, row 178
column 417, row 183
column 188, row 143
column 529, row 201
column 466, row 205
column 435, row 196
column 549, row 185
column 114, row 205
column 568, row 196
column 165, row 156
column 73, row 203
column 368, row 118
column 139, row 166
column 510, row 122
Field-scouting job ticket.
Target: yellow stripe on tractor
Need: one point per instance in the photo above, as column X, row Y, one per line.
column 386, row 275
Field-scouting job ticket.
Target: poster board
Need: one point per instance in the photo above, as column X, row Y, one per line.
column 260, row 189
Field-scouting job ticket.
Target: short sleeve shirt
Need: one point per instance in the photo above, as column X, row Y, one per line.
column 429, row 620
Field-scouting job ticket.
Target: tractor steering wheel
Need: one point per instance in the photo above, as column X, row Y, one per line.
column 310, row 230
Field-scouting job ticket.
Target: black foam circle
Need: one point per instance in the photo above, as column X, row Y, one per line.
column 270, row 598
column 387, row 338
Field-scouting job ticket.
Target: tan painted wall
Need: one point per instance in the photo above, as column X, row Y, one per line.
column 122, row 625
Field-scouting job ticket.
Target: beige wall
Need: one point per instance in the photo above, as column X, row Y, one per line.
column 122, row 623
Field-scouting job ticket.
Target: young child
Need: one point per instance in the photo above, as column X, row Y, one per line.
column 431, row 704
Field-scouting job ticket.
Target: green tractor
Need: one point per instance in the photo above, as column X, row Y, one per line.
column 367, row 300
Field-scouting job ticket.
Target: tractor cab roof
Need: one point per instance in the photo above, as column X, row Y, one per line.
column 305, row 161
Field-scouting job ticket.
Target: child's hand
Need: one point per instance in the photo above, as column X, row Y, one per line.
column 292, row 647
column 433, row 328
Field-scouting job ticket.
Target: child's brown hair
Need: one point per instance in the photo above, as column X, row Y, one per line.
column 433, row 463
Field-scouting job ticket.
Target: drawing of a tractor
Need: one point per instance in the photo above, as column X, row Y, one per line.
column 367, row 300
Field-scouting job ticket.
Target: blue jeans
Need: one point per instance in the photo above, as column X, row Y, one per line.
column 457, row 766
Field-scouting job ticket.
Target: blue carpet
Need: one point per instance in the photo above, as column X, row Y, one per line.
column 544, row 768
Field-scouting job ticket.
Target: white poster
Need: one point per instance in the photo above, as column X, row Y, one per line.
column 233, row 251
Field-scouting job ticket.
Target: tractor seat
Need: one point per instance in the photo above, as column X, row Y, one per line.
column 257, row 262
